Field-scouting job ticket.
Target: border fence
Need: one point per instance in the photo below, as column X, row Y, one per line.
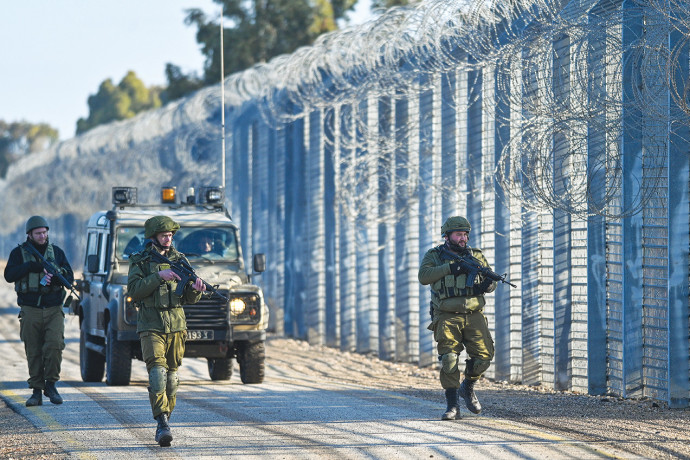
column 560, row 130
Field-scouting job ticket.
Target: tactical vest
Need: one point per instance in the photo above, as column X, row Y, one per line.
column 164, row 297
column 454, row 286
column 32, row 281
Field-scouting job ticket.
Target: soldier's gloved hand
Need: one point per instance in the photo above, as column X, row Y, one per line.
column 34, row 267
column 455, row 268
column 484, row 285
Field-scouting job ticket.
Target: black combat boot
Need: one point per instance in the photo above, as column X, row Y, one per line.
column 163, row 434
column 467, row 393
column 452, row 410
column 52, row 393
column 36, row 399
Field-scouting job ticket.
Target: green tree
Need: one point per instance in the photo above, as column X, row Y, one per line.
column 385, row 4
column 255, row 31
column 112, row 103
column 22, row 138
column 179, row 84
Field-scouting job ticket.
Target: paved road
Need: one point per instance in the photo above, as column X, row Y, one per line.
column 289, row 416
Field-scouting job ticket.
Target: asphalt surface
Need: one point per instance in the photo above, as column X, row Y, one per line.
column 293, row 414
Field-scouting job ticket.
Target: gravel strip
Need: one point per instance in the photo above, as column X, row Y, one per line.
column 20, row 439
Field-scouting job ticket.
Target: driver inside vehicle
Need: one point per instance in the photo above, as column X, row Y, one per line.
column 205, row 244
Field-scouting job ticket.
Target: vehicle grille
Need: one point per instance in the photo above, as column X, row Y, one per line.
column 206, row 314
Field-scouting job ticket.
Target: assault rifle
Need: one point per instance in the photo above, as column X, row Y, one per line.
column 50, row 268
column 472, row 266
column 186, row 274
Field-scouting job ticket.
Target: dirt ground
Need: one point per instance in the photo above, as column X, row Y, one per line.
column 645, row 428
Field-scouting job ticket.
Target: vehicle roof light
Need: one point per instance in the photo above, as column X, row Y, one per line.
column 168, row 194
column 191, row 198
column 124, row 195
column 211, row 195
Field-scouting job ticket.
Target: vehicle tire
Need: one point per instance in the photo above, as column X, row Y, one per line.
column 91, row 363
column 251, row 357
column 118, row 360
column 220, row 368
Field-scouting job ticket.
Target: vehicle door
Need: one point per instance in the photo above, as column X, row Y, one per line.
column 95, row 275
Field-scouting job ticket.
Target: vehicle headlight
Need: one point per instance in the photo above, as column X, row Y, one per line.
column 130, row 311
column 237, row 306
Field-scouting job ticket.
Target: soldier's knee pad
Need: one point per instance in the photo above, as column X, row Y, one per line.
column 476, row 367
column 449, row 363
column 173, row 382
column 158, row 379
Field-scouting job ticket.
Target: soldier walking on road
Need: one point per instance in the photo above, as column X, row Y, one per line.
column 40, row 296
column 161, row 322
column 457, row 318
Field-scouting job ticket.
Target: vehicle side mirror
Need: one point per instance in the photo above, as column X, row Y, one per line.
column 259, row 263
column 92, row 263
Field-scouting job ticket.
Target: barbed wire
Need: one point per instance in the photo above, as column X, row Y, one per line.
column 577, row 78
column 568, row 90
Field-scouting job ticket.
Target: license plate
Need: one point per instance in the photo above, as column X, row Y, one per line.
column 199, row 335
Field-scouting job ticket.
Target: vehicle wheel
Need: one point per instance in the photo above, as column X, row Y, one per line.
column 251, row 357
column 220, row 368
column 91, row 363
column 118, row 360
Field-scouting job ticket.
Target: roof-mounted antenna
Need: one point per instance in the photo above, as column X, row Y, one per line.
column 222, row 102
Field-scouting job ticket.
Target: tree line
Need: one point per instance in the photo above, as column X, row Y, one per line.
column 253, row 32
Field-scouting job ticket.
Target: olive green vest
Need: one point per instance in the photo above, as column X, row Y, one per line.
column 164, row 297
column 454, row 286
column 32, row 281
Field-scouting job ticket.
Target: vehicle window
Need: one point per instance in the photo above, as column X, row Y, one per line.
column 129, row 241
column 210, row 243
column 101, row 253
column 91, row 245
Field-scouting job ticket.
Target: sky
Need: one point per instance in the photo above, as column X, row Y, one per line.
column 55, row 54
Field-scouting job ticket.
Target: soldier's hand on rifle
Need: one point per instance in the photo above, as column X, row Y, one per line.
column 48, row 277
column 199, row 285
column 169, row 275
column 484, row 286
column 455, row 268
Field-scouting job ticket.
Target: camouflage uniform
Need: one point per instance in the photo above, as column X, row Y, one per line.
column 161, row 321
column 458, row 321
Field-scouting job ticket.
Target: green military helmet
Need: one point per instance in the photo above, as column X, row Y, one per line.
column 36, row 222
column 158, row 224
column 455, row 224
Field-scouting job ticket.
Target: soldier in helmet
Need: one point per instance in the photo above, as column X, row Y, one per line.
column 40, row 296
column 457, row 316
column 161, row 321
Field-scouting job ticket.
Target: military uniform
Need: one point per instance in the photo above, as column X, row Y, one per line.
column 161, row 323
column 458, row 322
column 41, row 319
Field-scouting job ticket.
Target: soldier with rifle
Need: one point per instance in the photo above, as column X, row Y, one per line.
column 159, row 294
column 459, row 276
column 40, row 273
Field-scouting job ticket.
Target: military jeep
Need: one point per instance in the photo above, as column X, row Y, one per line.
column 217, row 330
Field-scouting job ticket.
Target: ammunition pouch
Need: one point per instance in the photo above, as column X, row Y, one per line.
column 32, row 281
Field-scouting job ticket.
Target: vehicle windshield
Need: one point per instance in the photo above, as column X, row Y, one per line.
column 207, row 243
